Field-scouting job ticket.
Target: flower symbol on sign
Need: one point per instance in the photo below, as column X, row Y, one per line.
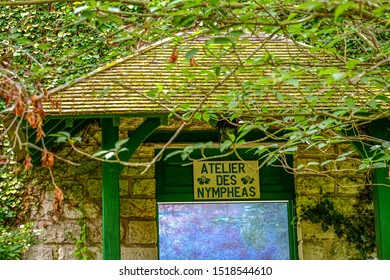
column 247, row 180
column 203, row 180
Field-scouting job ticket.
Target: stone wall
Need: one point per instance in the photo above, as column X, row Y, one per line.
column 337, row 181
column 81, row 209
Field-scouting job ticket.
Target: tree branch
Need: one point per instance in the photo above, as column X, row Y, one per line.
column 42, row 2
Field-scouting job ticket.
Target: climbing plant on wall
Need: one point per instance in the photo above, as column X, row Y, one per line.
column 15, row 234
column 357, row 227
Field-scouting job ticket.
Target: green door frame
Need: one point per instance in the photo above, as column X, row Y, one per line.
column 379, row 129
column 381, row 187
column 110, row 180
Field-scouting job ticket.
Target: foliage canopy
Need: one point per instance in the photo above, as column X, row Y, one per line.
column 46, row 43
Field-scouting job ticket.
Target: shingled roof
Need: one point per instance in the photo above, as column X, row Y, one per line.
column 145, row 82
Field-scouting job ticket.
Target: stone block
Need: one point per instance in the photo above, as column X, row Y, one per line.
column 344, row 148
column 64, row 232
column 344, row 204
column 144, row 187
column 312, row 185
column 86, row 167
column 312, row 251
column 90, row 149
column 93, row 138
column 91, row 210
column 303, row 150
column 144, row 151
column 130, row 123
column 310, row 164
column 138, row 171
column 142, row 232
column 350, row 185
column 39, row 252
column 123, row 187
column 138, row 208
column 42, row 211
column 94, row 231
column 306, row 201
column 96, row 252
column 66, row 252
column 50, row 196
column 94, row 188
column 314, row 231
column 72, row 212
column 72, row 190
column 342, row 250
column 139, row 253
column 350, row 165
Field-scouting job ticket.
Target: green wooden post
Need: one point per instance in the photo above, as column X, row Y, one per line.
column 110, row 195
column 379, row 129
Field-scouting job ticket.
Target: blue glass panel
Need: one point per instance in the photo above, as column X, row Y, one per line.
column 223, row 231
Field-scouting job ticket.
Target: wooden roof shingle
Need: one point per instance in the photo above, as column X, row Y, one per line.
column 146, row 83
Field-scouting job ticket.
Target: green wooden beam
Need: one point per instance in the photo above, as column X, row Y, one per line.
column 110, row 195
column 137, row 138
column 362, row 148
column 380, row 129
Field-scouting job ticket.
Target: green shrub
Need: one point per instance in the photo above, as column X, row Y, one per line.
column 15, row 242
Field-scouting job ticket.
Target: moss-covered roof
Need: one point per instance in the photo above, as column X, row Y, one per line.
column 146, row 82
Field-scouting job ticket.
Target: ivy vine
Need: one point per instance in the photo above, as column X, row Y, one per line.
column 16, row 236
column 358, row 229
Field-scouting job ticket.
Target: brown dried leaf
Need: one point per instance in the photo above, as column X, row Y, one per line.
column 174, row 55
column 40, row 133
column 27, row 163
column 58, row 194
column 193, row 62
column 47, row 159
column 19, row 107
column 32, row 119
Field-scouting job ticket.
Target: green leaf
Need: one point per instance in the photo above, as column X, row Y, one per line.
column 236, row 33
column 386, row 144
column 225, row 145
column 311, row 5
column 337, row 76
column 173, row 154
column 233, row 104
column 120, row 143
column 76, row 139
column 115, row 18
column 222, row 40
column 293, row 82
column 80, row 9
column 325, row 162
column 291, row 149
column 279, row 96
column 352, row 63
column 373, row 104
column 217, row 70
column 231, row 136
column 100, row 153
column 342, row 9
column 191, row 53
column 109, row 155
column 213, row 2
column 62, row 139
column 43, row 47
